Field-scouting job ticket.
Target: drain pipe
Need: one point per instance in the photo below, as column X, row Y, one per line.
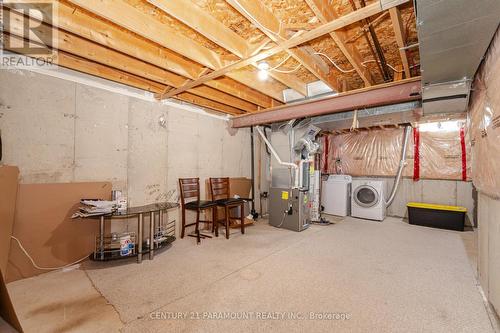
column 402, row 165
column 290, row 165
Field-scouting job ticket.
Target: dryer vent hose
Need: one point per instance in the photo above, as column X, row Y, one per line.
column 402, row 165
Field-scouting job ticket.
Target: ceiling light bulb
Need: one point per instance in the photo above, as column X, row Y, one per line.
column 263, row 75
column 263, row 66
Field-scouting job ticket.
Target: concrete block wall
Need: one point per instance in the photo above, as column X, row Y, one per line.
column 61, row 131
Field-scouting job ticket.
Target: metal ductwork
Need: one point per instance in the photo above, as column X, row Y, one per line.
column 453, row 36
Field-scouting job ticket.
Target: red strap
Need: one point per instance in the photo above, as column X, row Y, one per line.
column 464, row 154
column 325, row 165
column 416, row 160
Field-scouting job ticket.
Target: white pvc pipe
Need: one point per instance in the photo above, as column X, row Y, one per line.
column 271, row 148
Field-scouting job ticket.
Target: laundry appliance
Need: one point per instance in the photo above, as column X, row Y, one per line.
column 336, row 195
column 368, row 199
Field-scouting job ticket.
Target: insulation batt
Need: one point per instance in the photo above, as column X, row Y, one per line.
column 484, row 123
column 377, row 153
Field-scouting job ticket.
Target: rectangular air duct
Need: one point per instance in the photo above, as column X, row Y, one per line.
column 446, row 97
column 453, row 38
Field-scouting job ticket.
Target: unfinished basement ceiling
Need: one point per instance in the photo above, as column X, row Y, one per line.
column 206, row 52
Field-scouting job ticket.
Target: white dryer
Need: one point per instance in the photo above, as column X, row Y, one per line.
column 336, row 195
column 368, row 199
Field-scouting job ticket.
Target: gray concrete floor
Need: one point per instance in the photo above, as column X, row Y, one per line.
column 355, row 276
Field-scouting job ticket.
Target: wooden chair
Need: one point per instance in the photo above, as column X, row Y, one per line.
column 190, row 200
column 220, row 195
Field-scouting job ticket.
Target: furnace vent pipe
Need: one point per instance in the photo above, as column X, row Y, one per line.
column 271, row 148
column 402, row 165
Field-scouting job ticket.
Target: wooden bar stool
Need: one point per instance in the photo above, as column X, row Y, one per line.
column 220, row 195
column 190, row 190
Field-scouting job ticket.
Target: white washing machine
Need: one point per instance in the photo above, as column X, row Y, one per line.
column 336, row 195
column 368, row 199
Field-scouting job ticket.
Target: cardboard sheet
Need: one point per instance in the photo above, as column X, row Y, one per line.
column 240, row 186
column 7, row 312
column 44, row 226
column 8, row 192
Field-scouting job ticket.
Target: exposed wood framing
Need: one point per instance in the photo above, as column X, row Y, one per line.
column 326, row 28
column 325, row 13
column 86, row 49
column 142, row 24
column 399, row 31
column 398, row 74
column 210, row 58
column 268, row 23
column 383, row 94
column 194, row 17
column 92, row 68
column 78, row 22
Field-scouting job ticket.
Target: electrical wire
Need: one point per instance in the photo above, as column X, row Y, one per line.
column 388, row 65
column 335, row 64
column 44, row 268
column 285, row 71
column 281, row 63
column 282, row 220
column 288, row 71
column 363, row 64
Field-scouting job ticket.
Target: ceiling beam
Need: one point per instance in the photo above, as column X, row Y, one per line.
column 384, row 94
column 341, row 22
column 132, row 19
column 84, row 48
column 78, row 22
column 259, row 15
column 193, row 16
column 399, row 31
column 325, row 12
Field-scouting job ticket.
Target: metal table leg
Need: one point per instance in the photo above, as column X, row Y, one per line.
column 151, row 236
column 139, row 239
column 101, row 236
column 161, row 219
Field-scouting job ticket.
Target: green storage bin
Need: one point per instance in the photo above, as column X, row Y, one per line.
column 437, row 216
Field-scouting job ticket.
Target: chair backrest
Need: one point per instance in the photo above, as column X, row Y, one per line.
column 190, row 188
column 219, row 188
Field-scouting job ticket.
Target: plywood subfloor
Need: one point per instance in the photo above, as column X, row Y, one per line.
column 387, row 276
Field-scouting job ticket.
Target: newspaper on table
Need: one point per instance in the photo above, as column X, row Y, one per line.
column 95, row 208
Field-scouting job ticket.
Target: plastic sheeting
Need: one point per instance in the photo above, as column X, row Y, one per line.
column 442, row 153
column 484, row 123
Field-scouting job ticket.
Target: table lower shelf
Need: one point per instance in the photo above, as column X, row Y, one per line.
column 114, row 253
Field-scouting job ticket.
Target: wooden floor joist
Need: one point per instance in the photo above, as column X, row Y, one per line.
column 85, row 66
column 326, row 28
column 80, row 23
column 207, row 53
column 269, row 24
column 84, row 48
column 142, row 24
column 325, row 12
column 398, row 27
column 193, row 16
